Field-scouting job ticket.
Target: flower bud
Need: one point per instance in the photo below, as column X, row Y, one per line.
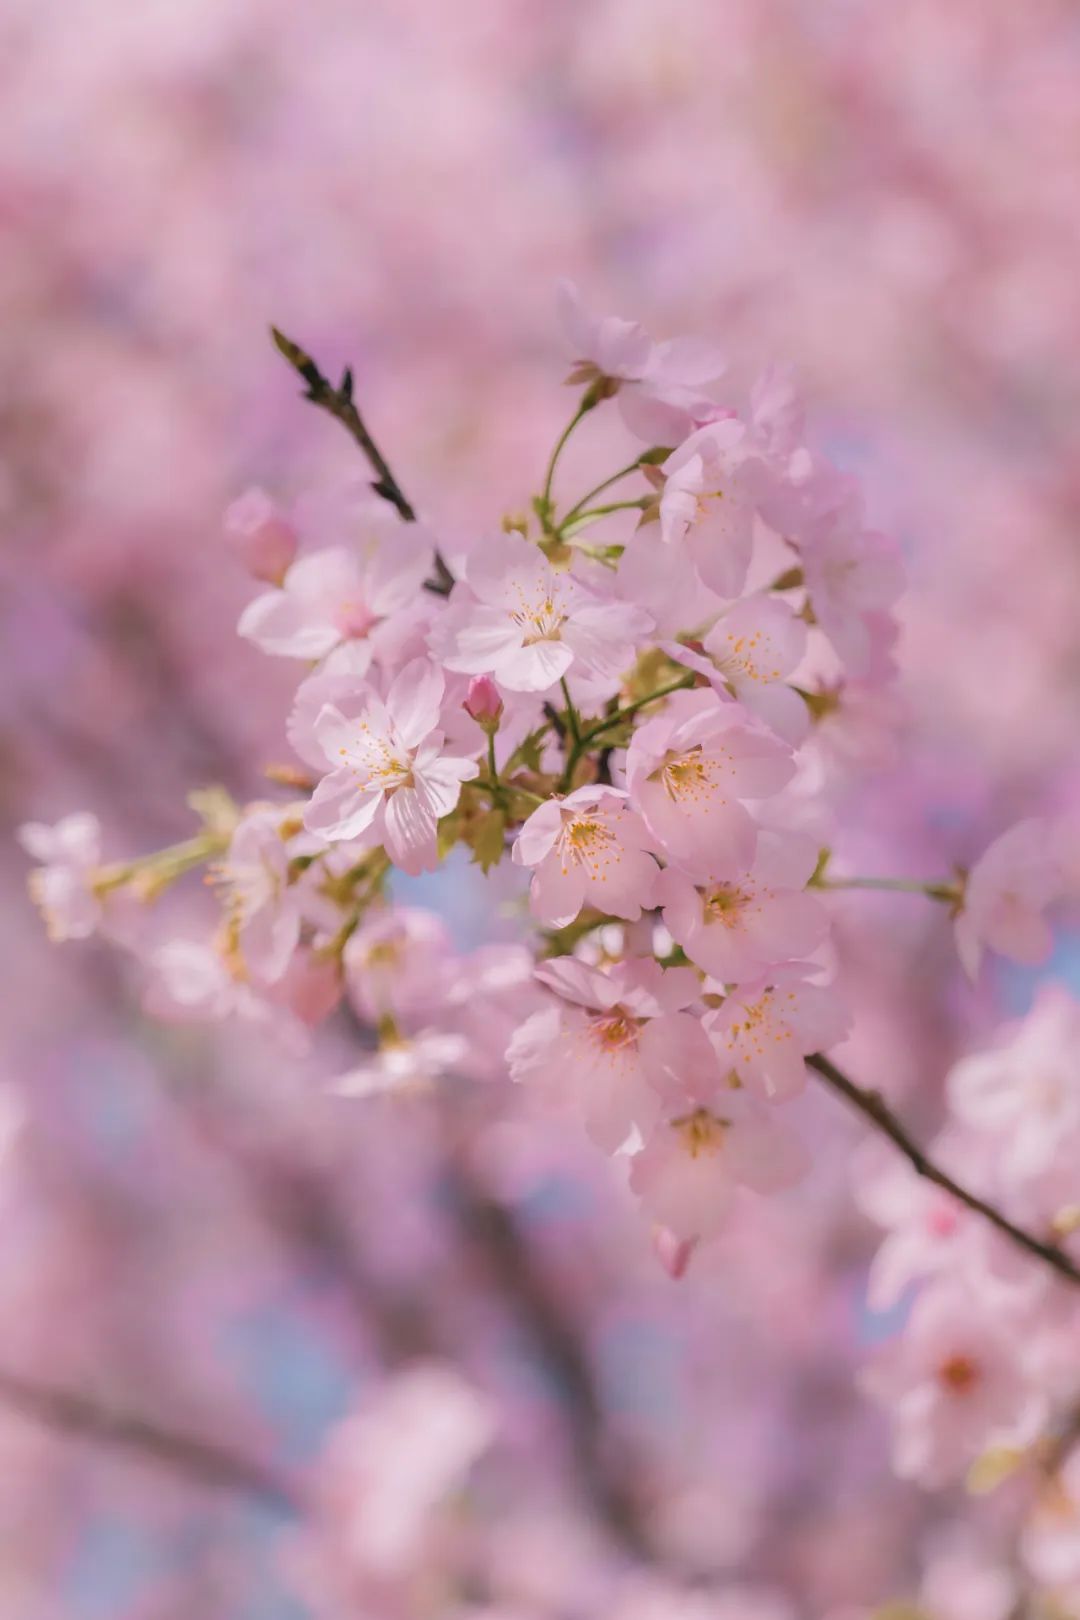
column 483, row 702
column 265, row 541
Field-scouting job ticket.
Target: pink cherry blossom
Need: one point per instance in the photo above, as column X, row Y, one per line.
column 927, row 1231
column 765, row 1029
column 852, row 573
column 590, row 848
column 529, row 624
column 62, row 887
column 610, row 1042
column 483, row 702
column 688, row 771
column 262, row 536
column 389, row 774
column 737, row 929
column 1026, row 1090
column 260, row 902
column 709, row 501
column 356, row 593
column 1004, row 896
column 398, row 963
column 659, row 385
column 388, row 1468
column 402, row 1064
column 954, row 1385
column 689, row 1171
column 749, row 653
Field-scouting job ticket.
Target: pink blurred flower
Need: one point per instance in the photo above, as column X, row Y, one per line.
column 261, row 536
column 1004, row 896
column 688, row 1172
column 954, row 1386
column 610, row 1042
column 659, row 385
column 1026, row 1091
column 709, row 500
column 852, row 573
column 62, row 886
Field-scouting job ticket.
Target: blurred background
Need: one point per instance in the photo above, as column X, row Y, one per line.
column 885, row 196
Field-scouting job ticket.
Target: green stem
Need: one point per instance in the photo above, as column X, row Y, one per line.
column 933, row 891
column 594, row 513
column 583, row 739
column 573, row 719
column 587, row 404
column 598, row 489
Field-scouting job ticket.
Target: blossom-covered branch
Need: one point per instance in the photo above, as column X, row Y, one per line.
column 872, row 1106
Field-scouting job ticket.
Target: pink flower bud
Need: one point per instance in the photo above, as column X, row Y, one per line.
column 672, row 1252
column 264, row 541
column 483, row 702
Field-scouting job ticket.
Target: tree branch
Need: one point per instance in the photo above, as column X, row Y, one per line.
column 204, row 1461
column 874, row 1108
column 339, row 403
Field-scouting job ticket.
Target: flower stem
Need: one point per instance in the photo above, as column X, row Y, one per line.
column 598, row 489
column 583, row 739
column 873, row 1107
column 588, row 403
column 592, row 514
column 933, row 891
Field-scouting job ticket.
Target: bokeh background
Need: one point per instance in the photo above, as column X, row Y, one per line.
column 884, row 195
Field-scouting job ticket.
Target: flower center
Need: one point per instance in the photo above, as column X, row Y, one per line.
column 587, row 841
column 958, row 1374
column 615, row 1032
column 701, row 1132
column 541, row 619
column 689, row 776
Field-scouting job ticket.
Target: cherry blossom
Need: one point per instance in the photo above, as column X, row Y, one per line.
column 589, row 848
column 1004, row 896
column 264, row 539
column 766, row 1028
column 63, row 885
column 261, row 905
column 1025, row 1091
column 346, row 594
column 690, row 768
column 610, row 1042
column 659, row 385
column 711, row 492
column 713, row 1139
column 738, row 928
column 529, row 624
column 954, row 1385
column 749, row 653
column 389, row 773
column 852, row 573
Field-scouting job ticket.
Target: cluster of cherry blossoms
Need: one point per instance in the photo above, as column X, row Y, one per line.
column 635, row 703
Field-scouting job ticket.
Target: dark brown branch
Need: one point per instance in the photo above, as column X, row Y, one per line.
column 204, row 1461
column 339, row 403
column 515, row 1272
column 874, row 1108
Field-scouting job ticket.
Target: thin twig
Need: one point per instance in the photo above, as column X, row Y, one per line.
column 339, row 403
column 205, row 1461
column 874, row 1108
